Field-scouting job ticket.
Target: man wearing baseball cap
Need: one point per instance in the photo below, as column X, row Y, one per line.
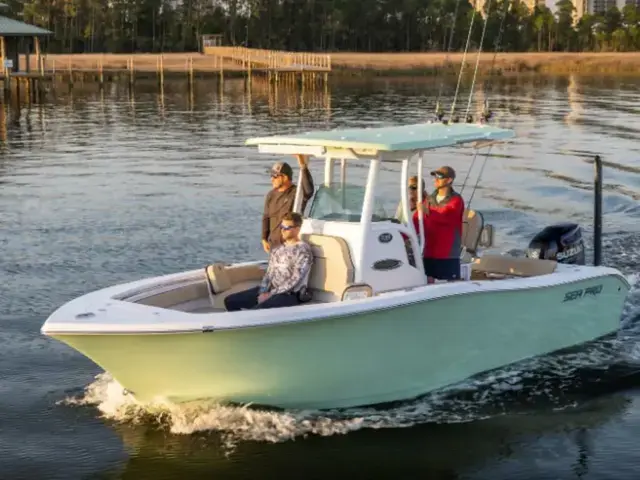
column 443, row 227
column 279, row 201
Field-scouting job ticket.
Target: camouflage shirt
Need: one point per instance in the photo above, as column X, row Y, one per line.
column 288, row 269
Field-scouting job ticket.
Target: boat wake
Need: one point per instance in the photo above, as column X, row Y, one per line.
column 556, row 381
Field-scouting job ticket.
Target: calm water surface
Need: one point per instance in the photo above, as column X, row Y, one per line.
column 103, row 188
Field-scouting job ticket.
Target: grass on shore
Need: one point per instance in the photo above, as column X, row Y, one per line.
column 365, row 64
column 554, row 62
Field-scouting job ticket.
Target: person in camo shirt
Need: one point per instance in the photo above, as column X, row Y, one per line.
column 287, row 274
column 281, row 197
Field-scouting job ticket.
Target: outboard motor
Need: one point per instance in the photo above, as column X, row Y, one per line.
column 562, row 243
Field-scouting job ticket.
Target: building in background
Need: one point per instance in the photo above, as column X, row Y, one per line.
column 600, row 6
column 582, row 7
column 478, row 5
column 531, row 4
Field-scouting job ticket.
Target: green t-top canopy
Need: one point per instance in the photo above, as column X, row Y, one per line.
column 421, row 136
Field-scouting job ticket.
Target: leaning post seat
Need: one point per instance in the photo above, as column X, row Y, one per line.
column 475, row 233
column 332, row 273
column 472, row 225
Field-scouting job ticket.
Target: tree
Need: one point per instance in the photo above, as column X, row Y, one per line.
column 320, row 25
column 564, row 24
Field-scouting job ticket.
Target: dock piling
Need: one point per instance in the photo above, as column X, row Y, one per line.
column 160, row 67
column 190, row 72
column 131, row 72
column 101, row 73
column 70, row 69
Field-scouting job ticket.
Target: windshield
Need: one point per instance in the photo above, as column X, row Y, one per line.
column 343, row 203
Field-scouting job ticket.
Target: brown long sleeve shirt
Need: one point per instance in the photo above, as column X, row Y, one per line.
column 277, row 204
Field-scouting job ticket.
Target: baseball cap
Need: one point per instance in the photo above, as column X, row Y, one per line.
column 282, row 168
column 445, row 171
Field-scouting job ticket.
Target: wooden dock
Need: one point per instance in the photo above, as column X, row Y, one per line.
column 305, row 69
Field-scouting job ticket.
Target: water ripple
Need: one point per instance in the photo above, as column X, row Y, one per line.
column 99, row 188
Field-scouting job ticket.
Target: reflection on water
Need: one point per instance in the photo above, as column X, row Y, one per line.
column 102, row 186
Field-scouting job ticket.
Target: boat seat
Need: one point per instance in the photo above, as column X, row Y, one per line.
column 515, row 266
column 223, row 280
column 472, row 225
column 332, row 272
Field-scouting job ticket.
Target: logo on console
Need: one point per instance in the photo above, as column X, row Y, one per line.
column 385, row 237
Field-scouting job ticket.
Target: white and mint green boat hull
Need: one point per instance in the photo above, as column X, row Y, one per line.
column 342, row 354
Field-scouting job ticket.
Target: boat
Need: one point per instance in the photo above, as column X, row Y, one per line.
column 374, row 330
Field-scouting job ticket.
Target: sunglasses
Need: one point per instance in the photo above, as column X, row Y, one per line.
column 275, row 175
column 439, row 175
column 287, row 227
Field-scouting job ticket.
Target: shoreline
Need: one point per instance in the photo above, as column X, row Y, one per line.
column 357, row 64
column 504, row 64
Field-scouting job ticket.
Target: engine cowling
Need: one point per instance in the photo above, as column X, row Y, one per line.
column 561, row 242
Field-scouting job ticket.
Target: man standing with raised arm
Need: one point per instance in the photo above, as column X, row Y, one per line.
column 280, row 199
column 442, row 217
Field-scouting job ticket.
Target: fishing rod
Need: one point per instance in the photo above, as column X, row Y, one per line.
column 464, row 57
column 468, row 117
column 439, row 111
column 486, row 112
column 475, row 72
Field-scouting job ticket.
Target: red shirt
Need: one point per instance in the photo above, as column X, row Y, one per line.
column 442, row 227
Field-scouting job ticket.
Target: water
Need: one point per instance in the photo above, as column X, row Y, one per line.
column 100, row 188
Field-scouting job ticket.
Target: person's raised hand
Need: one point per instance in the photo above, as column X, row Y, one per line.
column 302, row 160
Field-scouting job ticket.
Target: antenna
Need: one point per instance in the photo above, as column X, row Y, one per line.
column 597, row 211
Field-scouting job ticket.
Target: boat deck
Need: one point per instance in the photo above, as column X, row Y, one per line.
column 195, row 298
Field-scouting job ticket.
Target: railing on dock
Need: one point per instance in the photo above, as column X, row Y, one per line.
column 217, row 59
column 273, row 60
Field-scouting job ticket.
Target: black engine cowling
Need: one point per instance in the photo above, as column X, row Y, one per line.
column 562, row 243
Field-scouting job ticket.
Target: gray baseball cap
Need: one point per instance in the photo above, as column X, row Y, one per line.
column 282, row 168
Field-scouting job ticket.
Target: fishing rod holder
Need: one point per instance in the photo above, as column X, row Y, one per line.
column 439, row 112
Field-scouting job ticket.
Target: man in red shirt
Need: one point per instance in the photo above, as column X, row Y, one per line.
column 442, row 227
